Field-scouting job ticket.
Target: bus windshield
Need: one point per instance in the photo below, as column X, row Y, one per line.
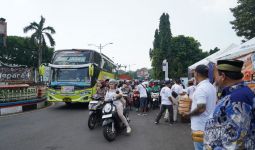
column 71, row 75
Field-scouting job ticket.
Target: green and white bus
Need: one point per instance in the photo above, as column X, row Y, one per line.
column 74, row 73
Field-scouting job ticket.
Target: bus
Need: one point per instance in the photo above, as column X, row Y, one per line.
column 74, row 74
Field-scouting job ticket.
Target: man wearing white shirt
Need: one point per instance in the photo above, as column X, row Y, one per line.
column 191, row 89
column 203, row 103
column 177, row 87
column 143, row 97
column 166, row 102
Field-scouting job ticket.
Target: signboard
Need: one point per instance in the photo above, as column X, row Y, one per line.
column 143, row 73
column 71, row 59
column 248, row 70
column 165, row 68
column 15, row 74
column 248, row 66
column 125, row 77
column 164, row 65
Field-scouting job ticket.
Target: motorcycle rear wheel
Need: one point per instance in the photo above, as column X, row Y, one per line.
column 108, row 133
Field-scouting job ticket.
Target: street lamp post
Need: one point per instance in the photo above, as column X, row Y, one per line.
column 100, row 46
column 130, row 69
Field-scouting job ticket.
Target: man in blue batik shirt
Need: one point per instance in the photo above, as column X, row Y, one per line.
column 232, row 125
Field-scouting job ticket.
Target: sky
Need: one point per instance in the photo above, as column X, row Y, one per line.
column 128, row 24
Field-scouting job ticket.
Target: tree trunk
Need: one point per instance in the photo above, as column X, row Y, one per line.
column 39, row 55
column 39, row 58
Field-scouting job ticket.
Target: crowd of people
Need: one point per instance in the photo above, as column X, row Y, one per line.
column 138, row 95
column 223, row 121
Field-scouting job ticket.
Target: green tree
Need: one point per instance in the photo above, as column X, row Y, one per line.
column 157, row 64
column 21, row 51
column 186, row 51
column 244, row 14
column 156, row 42
column 38, row 37
column 216, row 49
column 161, row 46
column 179, row 51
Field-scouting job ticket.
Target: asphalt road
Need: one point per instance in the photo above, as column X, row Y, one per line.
column 59, row 127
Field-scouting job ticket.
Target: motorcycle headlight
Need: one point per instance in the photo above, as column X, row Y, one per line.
column 107, row 108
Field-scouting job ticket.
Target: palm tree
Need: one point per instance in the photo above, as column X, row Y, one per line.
column 38, row 37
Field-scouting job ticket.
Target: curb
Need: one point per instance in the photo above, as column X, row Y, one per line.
column 23, row 107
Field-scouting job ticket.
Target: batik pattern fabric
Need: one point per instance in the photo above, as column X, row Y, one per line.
column 232, row 126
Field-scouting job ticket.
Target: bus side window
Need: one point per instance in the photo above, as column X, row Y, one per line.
column 106, row 66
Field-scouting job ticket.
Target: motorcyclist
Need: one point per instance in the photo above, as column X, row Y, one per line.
column 149, row 90
column 112, row 94
column 100, row 87
column 129, row 84
column 156, row 86
column 125, row 89
column 106, row 84
column 136, row 83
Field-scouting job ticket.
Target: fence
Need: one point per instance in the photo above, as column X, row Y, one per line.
column 14, row 93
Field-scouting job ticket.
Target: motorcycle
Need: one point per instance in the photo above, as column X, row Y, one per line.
column 155, row 99
column 95, row 111
column 112, row 124
column 136, row 97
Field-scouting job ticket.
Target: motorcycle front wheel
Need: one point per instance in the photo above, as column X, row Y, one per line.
column 92, row 121
column 108, row 133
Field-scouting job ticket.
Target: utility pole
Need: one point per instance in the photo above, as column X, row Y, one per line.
column 129, row 65
column 100, row 46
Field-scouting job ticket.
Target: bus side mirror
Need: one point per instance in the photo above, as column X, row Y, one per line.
column 91, row 70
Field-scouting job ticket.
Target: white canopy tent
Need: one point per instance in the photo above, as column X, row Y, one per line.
column 213, row 57
column 244, row 52
column 244, row 48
